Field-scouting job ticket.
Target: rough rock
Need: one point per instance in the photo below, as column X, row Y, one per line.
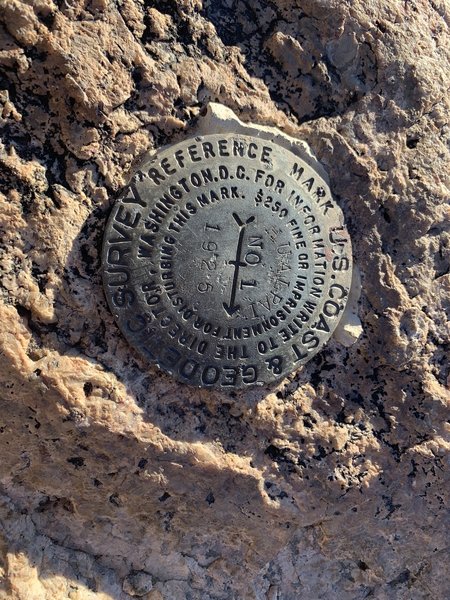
column 115, row 478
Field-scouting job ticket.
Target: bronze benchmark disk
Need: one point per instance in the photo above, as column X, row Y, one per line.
column 226, row 261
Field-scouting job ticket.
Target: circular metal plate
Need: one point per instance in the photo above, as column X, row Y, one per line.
column 226, row 261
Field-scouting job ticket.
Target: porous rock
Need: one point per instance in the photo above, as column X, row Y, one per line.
column 332, row 484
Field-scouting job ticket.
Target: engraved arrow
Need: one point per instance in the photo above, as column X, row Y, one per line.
column 231, row 308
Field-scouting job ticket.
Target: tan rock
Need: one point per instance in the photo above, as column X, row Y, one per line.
column 332, row 484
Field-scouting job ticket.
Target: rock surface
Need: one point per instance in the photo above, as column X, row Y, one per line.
column 117, row 482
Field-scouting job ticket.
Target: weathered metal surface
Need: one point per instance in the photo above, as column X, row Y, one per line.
column 226, row 261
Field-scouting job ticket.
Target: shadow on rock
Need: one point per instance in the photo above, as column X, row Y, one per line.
column 313, row 60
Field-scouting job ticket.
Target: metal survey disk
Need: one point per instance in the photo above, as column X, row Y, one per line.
column 226, row 260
